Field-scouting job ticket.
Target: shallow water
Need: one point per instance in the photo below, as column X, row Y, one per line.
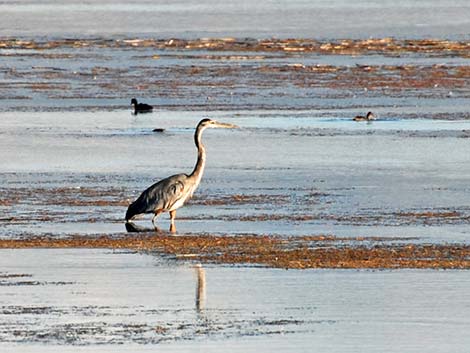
column 281, row 173
column 299, row 18
column 73, row 158
column 104, row 73
column 77, row 298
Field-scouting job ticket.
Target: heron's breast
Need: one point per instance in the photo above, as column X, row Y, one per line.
column 181, row 201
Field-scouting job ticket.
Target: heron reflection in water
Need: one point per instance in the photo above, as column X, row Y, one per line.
column 200, row 288
column 171, row 193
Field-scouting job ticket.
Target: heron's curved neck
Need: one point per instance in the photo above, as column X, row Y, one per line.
column 201, row 155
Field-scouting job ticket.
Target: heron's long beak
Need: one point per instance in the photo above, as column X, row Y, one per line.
column 225, row 125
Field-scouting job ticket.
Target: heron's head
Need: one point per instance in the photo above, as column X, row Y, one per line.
column 133, row 101
column 370, row 116
column 205, row 123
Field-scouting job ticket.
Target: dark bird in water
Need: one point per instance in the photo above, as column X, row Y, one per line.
column 140, row 107
column 370, row 116
column 171, row 193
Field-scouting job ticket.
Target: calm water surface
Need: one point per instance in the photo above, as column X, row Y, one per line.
column 75, row 300
column 351, row 179
column 265, row 18
column 345, row 178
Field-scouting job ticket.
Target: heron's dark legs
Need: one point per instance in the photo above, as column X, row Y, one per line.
column 172, row 221
column 155, row 217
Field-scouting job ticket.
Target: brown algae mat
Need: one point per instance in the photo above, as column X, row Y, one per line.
column 276, row 252
column 211, row 69
column 391, row 46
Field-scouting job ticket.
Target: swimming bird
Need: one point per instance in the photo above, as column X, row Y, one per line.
column 171, row 193
column 140, row 107
column 370, row 116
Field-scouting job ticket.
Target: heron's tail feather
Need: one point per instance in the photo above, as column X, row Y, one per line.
column 143, row 204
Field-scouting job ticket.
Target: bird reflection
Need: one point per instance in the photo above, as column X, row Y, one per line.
column 134, row 228
column 200, row 288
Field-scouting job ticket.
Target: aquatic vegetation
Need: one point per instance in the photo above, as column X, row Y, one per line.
column 300, row 252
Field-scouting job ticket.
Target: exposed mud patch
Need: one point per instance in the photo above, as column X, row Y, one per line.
column 239, row 199
column 344, row 46
column 230, row 73
column 436, row 217
column 24, row 279
column 296, row 252
column 64, row 196
column 102, row 332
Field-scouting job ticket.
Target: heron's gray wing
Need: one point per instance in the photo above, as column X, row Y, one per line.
column 164, row 194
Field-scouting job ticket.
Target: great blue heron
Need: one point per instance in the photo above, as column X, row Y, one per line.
column 370, row 116
column 140, row 107
column 171, row 193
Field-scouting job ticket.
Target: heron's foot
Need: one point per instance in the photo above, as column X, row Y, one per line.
column 172, row 221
